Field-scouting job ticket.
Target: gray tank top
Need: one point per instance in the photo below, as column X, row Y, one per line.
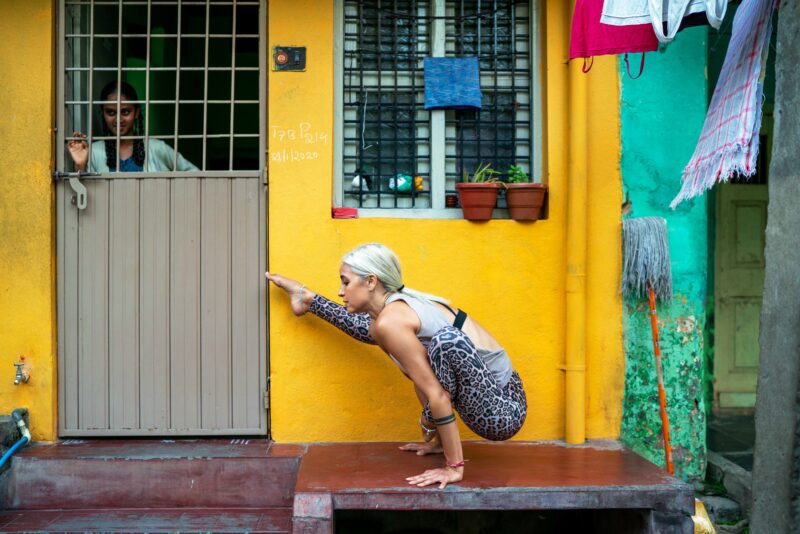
column 431, row 320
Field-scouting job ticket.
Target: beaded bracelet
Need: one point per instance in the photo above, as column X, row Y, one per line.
column 459, row 463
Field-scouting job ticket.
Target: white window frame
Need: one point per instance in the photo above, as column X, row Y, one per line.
column 437, row 121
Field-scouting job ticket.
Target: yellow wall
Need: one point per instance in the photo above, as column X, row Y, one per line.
column 325, row 386
column 508, row 275
column 27, row 299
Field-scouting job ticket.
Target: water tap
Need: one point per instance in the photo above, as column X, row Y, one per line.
column 22, row 374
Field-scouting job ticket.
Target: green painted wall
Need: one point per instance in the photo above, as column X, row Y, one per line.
column 662, row 114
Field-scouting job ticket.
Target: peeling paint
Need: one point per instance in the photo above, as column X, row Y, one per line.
column 652, row 161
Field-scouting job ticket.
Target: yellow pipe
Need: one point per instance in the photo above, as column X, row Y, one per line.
column 575, row 425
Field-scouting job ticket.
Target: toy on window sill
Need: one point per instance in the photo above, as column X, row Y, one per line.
column 401, row 183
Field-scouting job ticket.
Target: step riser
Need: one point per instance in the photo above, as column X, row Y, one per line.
column 35, row 483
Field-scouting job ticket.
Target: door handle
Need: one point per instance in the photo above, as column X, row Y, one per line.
column 81, row 197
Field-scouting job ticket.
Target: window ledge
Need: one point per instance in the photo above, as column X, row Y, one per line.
column 426, row 213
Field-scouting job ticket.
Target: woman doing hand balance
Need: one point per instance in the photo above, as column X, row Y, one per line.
column 122, row 118
column 451, row 359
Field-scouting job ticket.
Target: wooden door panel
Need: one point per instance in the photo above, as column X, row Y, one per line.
column 739, row 274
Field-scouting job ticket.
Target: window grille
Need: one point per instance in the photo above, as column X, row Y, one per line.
column 194, row 65
column 385, row 130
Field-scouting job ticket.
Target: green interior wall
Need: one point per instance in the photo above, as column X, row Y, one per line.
column 662, row 113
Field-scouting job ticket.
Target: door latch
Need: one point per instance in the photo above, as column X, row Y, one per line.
column 80, row 198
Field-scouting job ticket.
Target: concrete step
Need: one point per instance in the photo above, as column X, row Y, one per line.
column 254, row 520
column 121, row 474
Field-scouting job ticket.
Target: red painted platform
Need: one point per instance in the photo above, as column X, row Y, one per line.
column 498, row 476
column 241, row 485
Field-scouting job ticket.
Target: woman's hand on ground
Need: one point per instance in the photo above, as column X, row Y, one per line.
column 431, row 447
column 79, row 150
column 299, row 294
column 442, row 476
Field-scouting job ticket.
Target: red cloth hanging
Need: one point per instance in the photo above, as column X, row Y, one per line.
column 590, row 37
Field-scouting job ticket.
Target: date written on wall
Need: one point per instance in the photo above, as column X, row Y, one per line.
column 299, row 143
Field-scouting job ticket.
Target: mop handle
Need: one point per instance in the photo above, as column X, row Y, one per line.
column 662, row 397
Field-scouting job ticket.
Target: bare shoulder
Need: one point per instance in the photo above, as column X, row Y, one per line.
column 397, row 318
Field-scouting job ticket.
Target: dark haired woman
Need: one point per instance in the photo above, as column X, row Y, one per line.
column 159, row 156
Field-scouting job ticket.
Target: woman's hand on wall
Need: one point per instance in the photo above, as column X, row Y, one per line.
column 79, row 151
column 299, row 294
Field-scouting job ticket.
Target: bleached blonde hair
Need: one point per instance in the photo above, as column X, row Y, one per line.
column 380, row 260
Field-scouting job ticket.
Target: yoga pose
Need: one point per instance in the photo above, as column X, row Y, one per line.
column 128, row 125
column 451, row 359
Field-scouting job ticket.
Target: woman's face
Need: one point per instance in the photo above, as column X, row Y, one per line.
column 354, row 290
column 128, row 113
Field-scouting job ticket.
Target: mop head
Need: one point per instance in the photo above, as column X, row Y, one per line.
column 645, row 251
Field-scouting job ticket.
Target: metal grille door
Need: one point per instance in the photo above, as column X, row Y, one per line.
column 162, row 305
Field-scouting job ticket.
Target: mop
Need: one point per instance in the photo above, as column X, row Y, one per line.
column 646, row 270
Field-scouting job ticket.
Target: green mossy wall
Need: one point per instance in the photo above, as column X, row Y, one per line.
column 662, row 113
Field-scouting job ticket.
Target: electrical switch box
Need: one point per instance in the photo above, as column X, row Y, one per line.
column 289, row 58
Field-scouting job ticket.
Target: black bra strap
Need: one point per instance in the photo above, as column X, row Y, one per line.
column 461, row 317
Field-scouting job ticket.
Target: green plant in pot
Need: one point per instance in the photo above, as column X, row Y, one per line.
column 524, row 199
column 478, row 194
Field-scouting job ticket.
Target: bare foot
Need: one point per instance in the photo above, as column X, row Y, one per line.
column 299, row 294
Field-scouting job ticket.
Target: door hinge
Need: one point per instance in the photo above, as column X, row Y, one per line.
column 266, row 399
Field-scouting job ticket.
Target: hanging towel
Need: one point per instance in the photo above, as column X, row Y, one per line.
column 660, row 13
column 590, row 37
column 452, row 83
column 728, row 142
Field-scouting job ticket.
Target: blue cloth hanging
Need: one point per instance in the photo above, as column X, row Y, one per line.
column 452, row 83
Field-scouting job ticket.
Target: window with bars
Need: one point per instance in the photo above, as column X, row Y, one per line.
column 386, row 137
column 195, row 70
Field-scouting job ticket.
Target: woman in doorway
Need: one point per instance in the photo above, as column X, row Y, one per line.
column 129, row 126
column 451, row 359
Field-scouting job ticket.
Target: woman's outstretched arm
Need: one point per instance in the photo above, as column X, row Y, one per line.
column 303, row 300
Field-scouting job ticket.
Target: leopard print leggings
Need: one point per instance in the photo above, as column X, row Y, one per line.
column 492, row 412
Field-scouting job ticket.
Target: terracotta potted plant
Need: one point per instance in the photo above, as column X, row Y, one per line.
column 478, row 195
column 524, row 199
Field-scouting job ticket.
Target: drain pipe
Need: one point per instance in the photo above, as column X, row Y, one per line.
column 577, row 175
column 17, row 416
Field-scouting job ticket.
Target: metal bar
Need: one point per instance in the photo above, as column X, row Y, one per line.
column 166, row 136
column 91, row 85
column 160, row 69
column 119, row 82
column 177, row 89
column 438, row 126
column 205, row 87
column 156, row 174
column 233, row 87
column 363, row 109
column 98, row 102
column 162, row 35
column 60, row 96
column 394, row 95
column 379, row 67
column 146, row 166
